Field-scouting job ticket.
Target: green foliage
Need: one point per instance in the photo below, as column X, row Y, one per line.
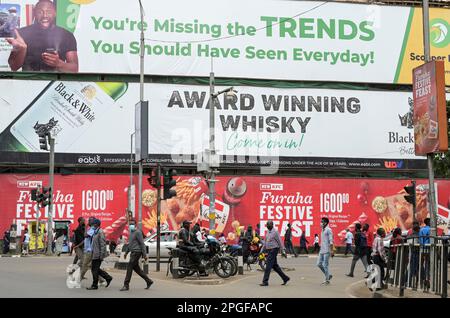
column 442, row 160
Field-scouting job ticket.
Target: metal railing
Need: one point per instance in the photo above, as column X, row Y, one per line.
column 419, row 264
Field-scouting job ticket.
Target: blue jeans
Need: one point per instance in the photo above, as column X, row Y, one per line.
column 322, row 263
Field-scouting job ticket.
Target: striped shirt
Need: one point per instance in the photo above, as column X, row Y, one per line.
column 273, row 240
column 327, row 240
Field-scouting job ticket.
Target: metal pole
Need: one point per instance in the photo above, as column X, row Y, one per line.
column 37, row 222
column 131, row 174
column 141, row 94
column 414, row 203
column 50, row 206
column 212, row 194
column 158, row 220
column 426, row 46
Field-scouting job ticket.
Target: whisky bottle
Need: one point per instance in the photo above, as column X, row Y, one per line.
column 75, row 106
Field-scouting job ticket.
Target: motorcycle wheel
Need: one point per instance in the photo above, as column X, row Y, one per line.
column 235, row 263
column 224, row 267
column 181, row 272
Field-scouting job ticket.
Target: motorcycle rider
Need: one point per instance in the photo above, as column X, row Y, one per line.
column 246, row 241
column 186, row 243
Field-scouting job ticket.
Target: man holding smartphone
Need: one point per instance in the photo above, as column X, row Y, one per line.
column 43, row 46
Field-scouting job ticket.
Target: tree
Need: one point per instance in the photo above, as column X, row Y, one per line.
column 441, row 161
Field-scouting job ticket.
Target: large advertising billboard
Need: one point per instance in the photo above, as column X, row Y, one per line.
column 285, row 40
column 240, row 201
column 259, row 126
column 430, row 113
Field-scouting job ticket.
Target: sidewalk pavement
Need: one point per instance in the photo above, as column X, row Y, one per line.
column 360, row 290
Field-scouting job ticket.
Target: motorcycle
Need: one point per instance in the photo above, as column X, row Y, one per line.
column 254, row 257
column 202, row 260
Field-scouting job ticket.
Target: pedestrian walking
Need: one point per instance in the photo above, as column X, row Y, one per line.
column 348, row 242
column 316, row 243
column 370, row 238
column 272, row 245
column 6, row 242
column 288, row 241
column 59, row 242
column 137, row 249
column 378, row 254
column 26, row 242
column 87, row 251
column 360, row 250
column 303, row 243
column 98, row 255
column 78, row 241
column 326, row 250
column 424, row 240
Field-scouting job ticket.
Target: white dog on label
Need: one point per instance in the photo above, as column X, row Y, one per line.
column 73, row 276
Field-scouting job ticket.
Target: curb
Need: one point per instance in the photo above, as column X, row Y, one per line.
column 200, row 281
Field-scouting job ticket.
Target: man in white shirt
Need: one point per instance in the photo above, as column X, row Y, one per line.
column 326, row 250
column 26, row 242
column 348, row 242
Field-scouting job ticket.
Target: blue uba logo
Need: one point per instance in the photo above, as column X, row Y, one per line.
column 393, row 164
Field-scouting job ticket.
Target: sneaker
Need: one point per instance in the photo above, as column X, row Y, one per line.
column 349, row 275
column 285, row 282
column 327, row 282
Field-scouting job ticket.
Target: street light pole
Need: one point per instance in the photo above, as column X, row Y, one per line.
column 212, row 181
column 131, row 188
column 50, row 206
column 431, row 192
column 141, row 97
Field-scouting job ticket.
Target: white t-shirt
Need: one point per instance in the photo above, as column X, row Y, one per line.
column 26, row 238
column 316, row 240
column 349, row 238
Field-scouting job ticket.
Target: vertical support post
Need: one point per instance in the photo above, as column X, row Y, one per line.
column 141, row 97
column 158, row 217
column 433, row 232
column 212, row 194
column 444, row 267
column 402, row 270
column 52, row 189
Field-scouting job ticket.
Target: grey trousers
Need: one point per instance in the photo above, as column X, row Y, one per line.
column 87, row 265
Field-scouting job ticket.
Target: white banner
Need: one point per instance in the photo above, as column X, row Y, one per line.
column 286, row 40
column 98, row 118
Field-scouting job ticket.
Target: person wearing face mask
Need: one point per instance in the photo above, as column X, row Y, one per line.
column 86, row 263
column 326, row 249
column 98, row 255
column 272, row 244
column 137, row 249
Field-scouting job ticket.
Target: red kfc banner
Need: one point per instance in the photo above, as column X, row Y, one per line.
column 239, row 202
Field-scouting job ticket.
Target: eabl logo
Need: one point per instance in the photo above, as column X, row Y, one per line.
column 89, row 160
column 393, row 164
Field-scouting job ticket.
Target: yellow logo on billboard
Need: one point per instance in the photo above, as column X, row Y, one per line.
column 439, row 33
column 412, row 54
column 82, row 1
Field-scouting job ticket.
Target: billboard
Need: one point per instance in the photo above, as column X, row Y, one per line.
column 259, row 126
column 240, row 201
column 284, row 40
column 430, row 113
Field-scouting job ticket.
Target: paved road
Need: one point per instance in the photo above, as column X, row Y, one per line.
column 45, row 277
